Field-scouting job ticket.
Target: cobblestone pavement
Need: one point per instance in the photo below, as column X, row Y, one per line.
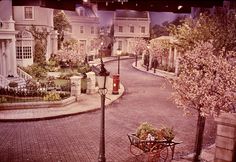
column 76, row 138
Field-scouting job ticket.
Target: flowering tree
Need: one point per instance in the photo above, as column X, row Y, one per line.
column 219, row 27
column 71, row 52
column 159, row 49
column 61, row 24
column 206, row 83
column 138, row 45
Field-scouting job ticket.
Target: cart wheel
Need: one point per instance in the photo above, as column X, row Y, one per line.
column 158, row 155
column 135, row 151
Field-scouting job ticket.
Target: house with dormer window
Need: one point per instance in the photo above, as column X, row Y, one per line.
column 84, row 27
column 129, row 24
column 16, row 42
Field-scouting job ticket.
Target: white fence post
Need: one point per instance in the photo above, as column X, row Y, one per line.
column 75, row 86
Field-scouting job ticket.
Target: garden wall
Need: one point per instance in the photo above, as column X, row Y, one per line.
column 33, row 105
column 226, row 138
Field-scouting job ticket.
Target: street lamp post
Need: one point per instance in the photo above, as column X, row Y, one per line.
column 136, row 59
column 148, row 57
column 118, row 57
column 102, row 79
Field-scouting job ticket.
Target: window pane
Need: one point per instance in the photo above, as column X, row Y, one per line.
column 19, row 52
column 120, row 45
column 27, row 52
column 81, row 29
column 120, row 28
column 142, row 29
column 132, row 29
column 28, row 13
column 92, row 30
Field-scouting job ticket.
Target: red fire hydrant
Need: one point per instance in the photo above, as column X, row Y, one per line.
column 116, row 84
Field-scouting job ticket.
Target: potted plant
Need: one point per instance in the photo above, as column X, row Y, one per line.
column 168, row 133
column 144, row 129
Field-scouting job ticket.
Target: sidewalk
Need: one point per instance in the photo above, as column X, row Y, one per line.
column 207, row 154
column 85, row 103
column 160, row 73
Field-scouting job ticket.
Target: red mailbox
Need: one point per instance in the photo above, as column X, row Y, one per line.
column 116, row 84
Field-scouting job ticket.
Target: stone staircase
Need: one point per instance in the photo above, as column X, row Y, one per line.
column 20, row 81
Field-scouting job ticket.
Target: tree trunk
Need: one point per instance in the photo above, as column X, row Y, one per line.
column 199, row 137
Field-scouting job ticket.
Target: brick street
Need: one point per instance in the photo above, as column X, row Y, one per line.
column 76, row 138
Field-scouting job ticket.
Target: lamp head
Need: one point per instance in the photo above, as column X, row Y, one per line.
column 119, row 51
column 102, row 76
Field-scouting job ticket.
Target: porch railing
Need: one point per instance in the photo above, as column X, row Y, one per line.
column 23, row 74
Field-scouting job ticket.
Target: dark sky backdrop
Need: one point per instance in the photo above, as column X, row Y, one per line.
column 106, row 17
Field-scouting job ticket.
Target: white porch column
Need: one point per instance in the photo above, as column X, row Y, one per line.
column 3, row 59
column 54, row 41
column 170, row 58
column 176, row 60
column 150, row 61
column 13, row 57
column 143, row 53
column 48, row 50
column 8, row 58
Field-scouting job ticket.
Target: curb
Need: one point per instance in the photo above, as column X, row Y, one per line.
column 167, row 76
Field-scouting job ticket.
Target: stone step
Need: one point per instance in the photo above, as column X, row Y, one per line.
column 20, row 81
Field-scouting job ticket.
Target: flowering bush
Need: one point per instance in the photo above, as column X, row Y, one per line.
column 146, row 131
column 52, row 96
column 167, row 133
column 159, row 49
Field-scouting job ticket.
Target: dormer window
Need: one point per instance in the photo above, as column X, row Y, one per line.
column 81, row 12
column 28, row 13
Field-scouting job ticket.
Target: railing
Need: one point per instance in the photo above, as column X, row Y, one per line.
column 23, row 74
column 30, row 93
column 3, row 81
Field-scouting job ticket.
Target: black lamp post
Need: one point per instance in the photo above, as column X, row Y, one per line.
column 102, row 80
column 118, row 57
column 148, row 55
column 136, row 59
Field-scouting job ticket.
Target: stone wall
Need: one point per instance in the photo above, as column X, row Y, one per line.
column 226, row 138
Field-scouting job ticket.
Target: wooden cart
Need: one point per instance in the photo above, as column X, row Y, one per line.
column 156, row 150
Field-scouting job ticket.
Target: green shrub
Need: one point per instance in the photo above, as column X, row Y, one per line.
column 52, row 96
column 39, row 53
column 64, row 95
column 13, row 84
column 36, row 71
column 83, row 68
